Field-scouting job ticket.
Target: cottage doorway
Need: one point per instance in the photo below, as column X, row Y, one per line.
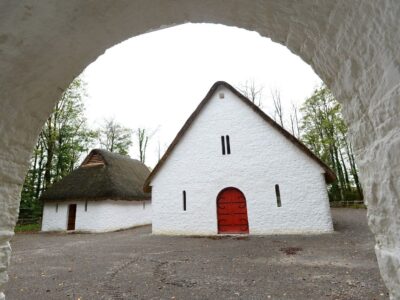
column 232, row 211
column 71, row 216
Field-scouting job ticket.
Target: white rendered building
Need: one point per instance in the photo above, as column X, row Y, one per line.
column 103, row 194
column 232, row 169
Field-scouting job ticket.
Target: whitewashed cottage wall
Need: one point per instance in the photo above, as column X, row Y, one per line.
column 101, row 216
column 260, row 158
column 352, row 45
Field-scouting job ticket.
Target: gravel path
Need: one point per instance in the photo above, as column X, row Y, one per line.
column 133, row 264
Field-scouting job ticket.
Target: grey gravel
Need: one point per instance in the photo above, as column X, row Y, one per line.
column 133, row 264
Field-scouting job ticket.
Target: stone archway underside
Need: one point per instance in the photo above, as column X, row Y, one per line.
column 352, row 45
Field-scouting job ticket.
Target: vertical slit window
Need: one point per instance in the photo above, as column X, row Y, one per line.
column 56, row 207
column 223, row 144
column 86, row 205
column 184, row 200
column 278, row 195
column 144, row 204
column 228, row 145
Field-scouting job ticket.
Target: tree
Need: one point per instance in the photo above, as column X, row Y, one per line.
column 294, row 121
column 65, row 135
column 143, row 138
column 324, row 132
column 114, row 137
column 158, row 151
column 252, row 91
column 278, row 114
column 63, row 139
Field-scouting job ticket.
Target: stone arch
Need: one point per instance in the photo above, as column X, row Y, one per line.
column 352, row 45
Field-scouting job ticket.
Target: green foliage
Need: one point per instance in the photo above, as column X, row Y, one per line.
column 143, row 138
column 64, row 138
column 114, row 137
column 27, row 228
column 324, row 132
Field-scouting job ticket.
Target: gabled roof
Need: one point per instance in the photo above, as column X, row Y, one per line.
column 329, row 174
column 102, row 175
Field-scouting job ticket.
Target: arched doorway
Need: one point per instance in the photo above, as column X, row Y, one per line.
column 332, row 36
column 232, row 211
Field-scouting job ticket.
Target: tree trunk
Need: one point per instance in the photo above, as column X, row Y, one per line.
column 34, row 171
column 40, row 173
column 339, row 173
column 49, row 152
column 346, row 174
column 354, row 171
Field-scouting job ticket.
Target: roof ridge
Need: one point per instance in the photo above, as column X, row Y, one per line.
column 120, row 177
column 329, row 174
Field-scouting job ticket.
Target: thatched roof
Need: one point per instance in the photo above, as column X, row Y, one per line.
column 329, row 174
column 102, row 175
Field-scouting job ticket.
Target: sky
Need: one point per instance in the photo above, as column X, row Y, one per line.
column 156, row 80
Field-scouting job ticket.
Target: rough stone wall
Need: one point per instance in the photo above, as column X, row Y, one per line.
column 101, row 216
column 260, row 158
column 352, row 45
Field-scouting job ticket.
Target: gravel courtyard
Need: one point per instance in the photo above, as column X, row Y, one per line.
column 133, row 264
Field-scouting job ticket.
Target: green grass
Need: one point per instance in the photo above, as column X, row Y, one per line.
column 337, row 205
column 27, row 228
column 357, row 206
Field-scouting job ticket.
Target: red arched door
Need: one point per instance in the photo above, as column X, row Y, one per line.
column 232, row 211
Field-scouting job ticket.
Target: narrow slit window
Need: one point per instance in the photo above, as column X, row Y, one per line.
column 56, row 207
column 223, row 144
column 144, row 205
column 184, row 200
column 228, row 145
column 278, row 195
column 85, row 205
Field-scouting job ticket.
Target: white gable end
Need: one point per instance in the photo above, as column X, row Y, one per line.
column 252, row 141
column 260, row 157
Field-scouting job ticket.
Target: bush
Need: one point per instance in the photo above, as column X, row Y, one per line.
column 27, row 228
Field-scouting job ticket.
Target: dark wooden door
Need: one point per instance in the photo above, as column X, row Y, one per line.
column 71, row 216
column 232, row 212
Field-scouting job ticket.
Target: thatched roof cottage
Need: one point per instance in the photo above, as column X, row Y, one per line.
column 104, row 194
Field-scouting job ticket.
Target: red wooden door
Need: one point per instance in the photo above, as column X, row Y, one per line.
column 71, row 216
column 232, row 212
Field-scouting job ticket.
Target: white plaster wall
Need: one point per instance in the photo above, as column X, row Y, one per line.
column 54, row 219
column 352, row 45
column 260, row 158
column 101, row 216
